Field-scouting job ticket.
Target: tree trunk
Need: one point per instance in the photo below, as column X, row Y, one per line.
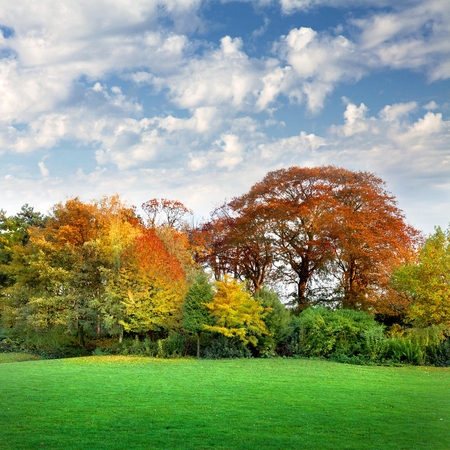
column 198, row 345
column 302, row 302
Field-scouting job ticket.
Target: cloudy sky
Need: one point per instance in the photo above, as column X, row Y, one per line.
column 197, row 100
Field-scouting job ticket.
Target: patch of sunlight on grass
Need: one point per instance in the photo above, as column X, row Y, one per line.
column 17, row 357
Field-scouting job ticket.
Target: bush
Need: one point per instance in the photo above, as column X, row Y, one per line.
column 223, row 347
column 418, row 346
column 277, row 321
column 174, row 346
column 442, row 357
column 52, row 344
column 375, row 343
column 344, row 334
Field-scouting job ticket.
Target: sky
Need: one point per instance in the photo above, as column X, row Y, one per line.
column 197, row 100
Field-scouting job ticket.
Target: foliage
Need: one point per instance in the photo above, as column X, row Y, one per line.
column 442, row 354
column 308, row 224
column 223, row 347
column 236, row 313
column 237, row 244
column 151, row 286
column 195, row 313
column 164, row 212
column 47, row 345
column 321, row 332
column 426, row 282
column 418, row 346
column 174, row 346
column 277, row 319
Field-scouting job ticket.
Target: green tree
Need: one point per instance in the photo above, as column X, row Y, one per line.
column 277, row 320
column 195, row 313
column 426, row 282
column 14, row 232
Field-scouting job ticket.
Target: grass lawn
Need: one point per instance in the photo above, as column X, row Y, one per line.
column 139, row 403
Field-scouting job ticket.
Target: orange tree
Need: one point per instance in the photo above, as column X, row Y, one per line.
column 321, row 224
column 238, row 245
column 151, row 286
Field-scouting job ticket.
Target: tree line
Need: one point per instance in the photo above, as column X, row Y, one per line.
column 314, row 237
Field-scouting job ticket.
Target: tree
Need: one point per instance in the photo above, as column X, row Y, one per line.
column 151, row 285
column 426, row 282
column 369, row 238
column 14, row 232
column 164, row 212
column 238, row 245
column 236, row 313
column 277, row 320
column 325, row 223
column 61, row 274
column 195, row 313
column 295, row 204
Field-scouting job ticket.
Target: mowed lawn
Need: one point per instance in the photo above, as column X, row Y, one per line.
column 141, row 403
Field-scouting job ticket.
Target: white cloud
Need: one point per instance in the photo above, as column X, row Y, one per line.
column 396, row 111
column 44, row 171
column 319, row 62
column 232, row 150
column 417, row 38
column 223, row 76
column 431, row 105
column 63, row 66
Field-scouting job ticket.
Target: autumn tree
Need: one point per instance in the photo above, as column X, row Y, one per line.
column 238, row 245
column 164, row 212
column 151, row 285
column 426, row 282
column 236, row 313
column 369, row 237
column 295, row 204
column 61, row 274
column 321, row 224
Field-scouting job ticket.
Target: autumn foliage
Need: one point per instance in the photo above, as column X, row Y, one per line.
column 322, row 236
column 332, row 233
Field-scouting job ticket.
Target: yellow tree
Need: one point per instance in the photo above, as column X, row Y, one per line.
column 236, row 313
column 426, row 283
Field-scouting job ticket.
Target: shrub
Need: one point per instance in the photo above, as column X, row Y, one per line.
column 277, row 321
column 223, row 347
column 417, row 346
column 51, row 344
column 320, row 332
column 173, row 346
column 442, row 356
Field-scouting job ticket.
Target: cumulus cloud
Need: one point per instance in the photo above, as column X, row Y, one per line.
column 161, row 108
column 318, row 62
column 54, row 44
column 431, row 105
column 392, row 143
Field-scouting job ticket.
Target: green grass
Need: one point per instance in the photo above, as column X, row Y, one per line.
column 138, row 403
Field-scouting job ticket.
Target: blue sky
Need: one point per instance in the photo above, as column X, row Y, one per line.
column 197, row 100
